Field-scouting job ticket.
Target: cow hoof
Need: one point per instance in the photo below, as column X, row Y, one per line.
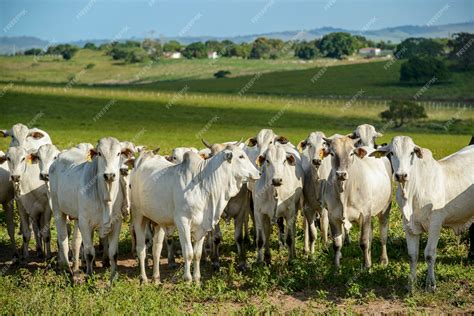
column 384, row 261
column 40, row 255
column 143, row 281
column 172, row 265
column 106, row 264
column 157, row 281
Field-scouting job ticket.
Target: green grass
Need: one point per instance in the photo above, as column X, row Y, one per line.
column 106, row 70
column 310, row 284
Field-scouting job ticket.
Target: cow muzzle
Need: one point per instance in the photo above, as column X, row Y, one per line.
column 341, row 175
column 44, row 177
column 124, row 172
column 109, row 177
column 316, row 162
column 401, row 177
column 277, row 182
column 15, row 178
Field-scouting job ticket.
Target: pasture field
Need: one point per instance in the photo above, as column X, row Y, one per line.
column 97, row 68
column 308, row 285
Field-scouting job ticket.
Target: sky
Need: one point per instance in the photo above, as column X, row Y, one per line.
column 68, row 20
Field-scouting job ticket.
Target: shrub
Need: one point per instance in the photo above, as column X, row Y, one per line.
column 422, row 69
column 222, row 74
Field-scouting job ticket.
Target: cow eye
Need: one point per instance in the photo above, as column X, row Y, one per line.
column 8, row 158
column 118, row 154
column 55, row 158
column 241, row 157
column 23, row 159
column 271, row 142
column 99, row 154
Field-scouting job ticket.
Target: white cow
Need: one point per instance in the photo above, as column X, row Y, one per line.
column 278, row 193
column 316, row 171
column 177, row 154
column 431, row 194
column 358, row 188
column 366, row 134
column 7, row 198
column 191, row 196
column 31, row 195
column 28, row 138
column 90, row 192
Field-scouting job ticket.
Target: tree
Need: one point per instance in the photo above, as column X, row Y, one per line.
column 402, row 112
column 195, row 50
column 34, row 51
column 152, row 47
column 260, row 49
column 337, row 45
column 90, row 45
column 423, row 69
column 172, row 46
column 65, row 50
column 306, row 50
column 419, row 47
column 462, row 50
column 136, row 55
column 214, row 46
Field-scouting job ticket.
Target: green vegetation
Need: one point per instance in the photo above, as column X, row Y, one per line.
column 462, row 53
column 420, row 70
column 402, row 112
column 309, row 284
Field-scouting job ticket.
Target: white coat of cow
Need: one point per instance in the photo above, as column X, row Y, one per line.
column 431, row 194
column 278, row 193
column 358, row 188
column 31, row 195
column 7, row 198
column 191, row 196
column 28, row 138
column 90, row 192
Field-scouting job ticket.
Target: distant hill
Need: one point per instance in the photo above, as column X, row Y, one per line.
column 394, row 34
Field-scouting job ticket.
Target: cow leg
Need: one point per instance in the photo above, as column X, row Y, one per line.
column 89, row 250
column 244, row 218
column 169, row 247
column 140, row 225
column 76, row 247
column 281, row 233
column 184, row 231
column 46, row 232
column 105, row 252
column 430, row 252
column 290, row 234
column 337, row 235
column 36, row 223
column 413, row 246
column 239, row 223
column 158, row 238
column 216, row 240
column 259, row 235
column 366, row 240
column 198, row 244
column 133, row 237
column 63, row 242
column 8, row 208
column 25, row 230
column 383, row 223
column 324, row 226
column 310, row 232
column 267, row 231
column 113, row 240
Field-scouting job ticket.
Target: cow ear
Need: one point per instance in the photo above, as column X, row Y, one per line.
column 302, row 145
column 140, row 148
column 3, row 159
column 352, row 135
column 32, row 158
column 291, row 159
column 91, row 154
column 328, row 141
column 130, row 163
column 127, row 152
column 323, row 153
column 156, row 150
column 251, row 142
column 4, row 133
column 360, row 152
column 260, row 160
column 379, row 134
column 282, row 140
column 418, row 152
column 228, row 156
column 203, row 156
column 379, row 153
column 168, row 157
column 36, row 134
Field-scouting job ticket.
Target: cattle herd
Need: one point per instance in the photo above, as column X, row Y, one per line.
column 333, row 181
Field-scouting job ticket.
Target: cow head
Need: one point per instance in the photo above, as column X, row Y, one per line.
column 403, row 154
column 177, row 154
column 45, row 156
column 343, row 152
column 241, row 166
column 265, row 138
column 315, row 147
column 216, row 147
column 20, row 133
column 274, row 161
column 366, row 134
column 17, row 158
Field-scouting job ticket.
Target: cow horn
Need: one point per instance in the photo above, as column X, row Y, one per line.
column 239, row 142
column 206, row 143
